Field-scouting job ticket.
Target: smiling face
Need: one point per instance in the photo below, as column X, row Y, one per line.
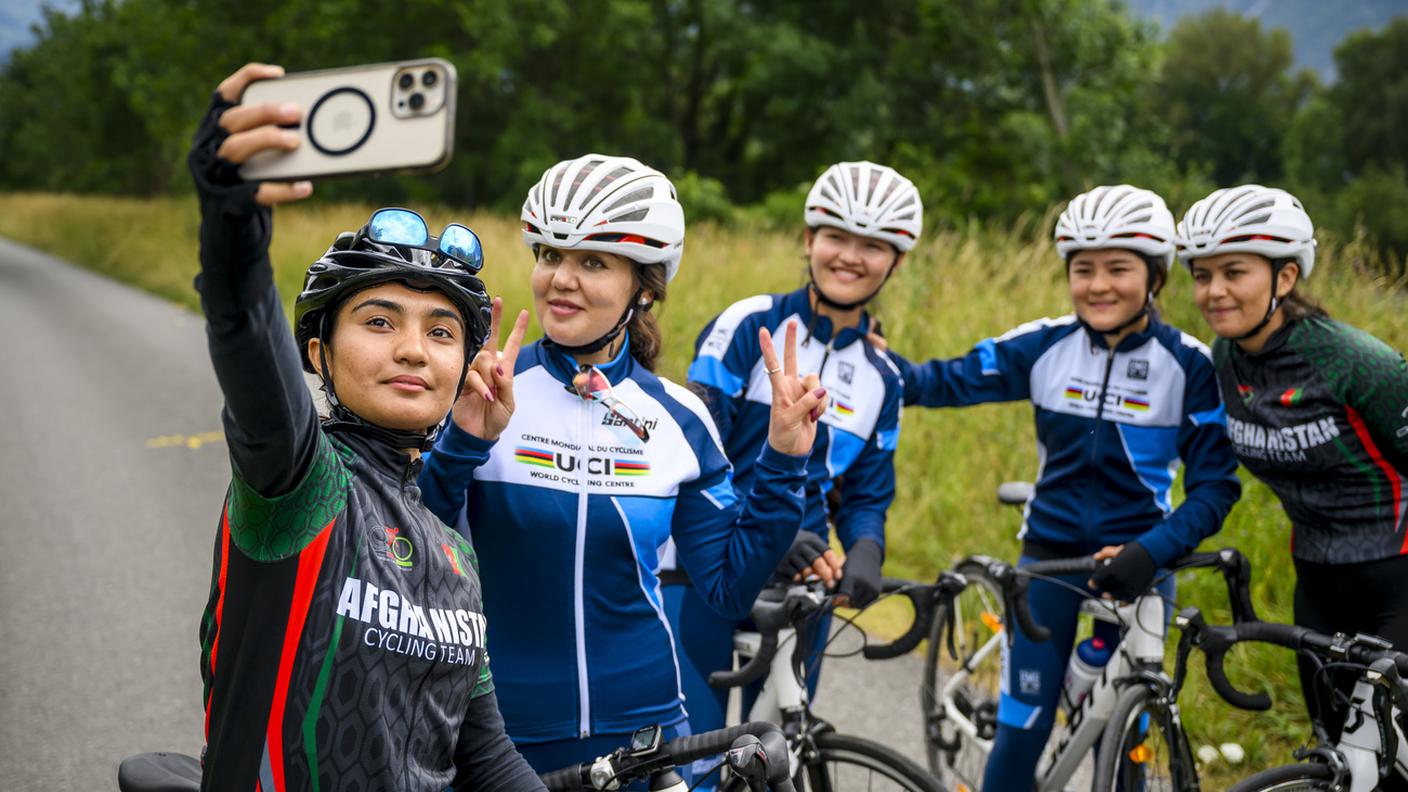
column 579, row 295
column 1108, row 287
column 1233, row 290
column 849, row 268
column 396, row 355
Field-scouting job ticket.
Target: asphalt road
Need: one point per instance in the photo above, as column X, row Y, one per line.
column 111, row 476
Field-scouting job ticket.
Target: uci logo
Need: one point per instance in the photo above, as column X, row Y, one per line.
column 559, row 218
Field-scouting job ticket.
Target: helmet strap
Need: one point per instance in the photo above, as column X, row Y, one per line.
column 1271, row 307
column 851, row 306
column 1147, row 310
column 601, row 343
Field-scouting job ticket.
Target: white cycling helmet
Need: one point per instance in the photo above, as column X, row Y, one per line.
column 868, row 200
column 1248, row 219
column 609, row 204
column 1119, row 216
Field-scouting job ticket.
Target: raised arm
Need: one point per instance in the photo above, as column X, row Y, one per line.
column 479, row 416
column 728, row 547
column 997, row 369
column 269, row 419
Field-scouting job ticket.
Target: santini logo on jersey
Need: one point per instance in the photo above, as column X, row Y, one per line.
column 398, row 625
column 1287, row 443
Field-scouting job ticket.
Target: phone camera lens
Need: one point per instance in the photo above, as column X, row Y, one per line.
column 417, row 101
column 406, row 81
column 429, row 79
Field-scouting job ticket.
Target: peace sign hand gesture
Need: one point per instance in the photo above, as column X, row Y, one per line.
column 486, row 401
column 797, row 403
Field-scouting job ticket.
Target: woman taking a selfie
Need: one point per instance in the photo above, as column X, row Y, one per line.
column 573, row 462
column 1316, row 409
column 343, row 643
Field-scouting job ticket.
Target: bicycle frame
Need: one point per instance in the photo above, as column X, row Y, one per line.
column 1360, row 744
column 1139, row 657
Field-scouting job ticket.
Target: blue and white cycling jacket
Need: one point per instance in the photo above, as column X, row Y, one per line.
column 858, row 431
column 1112, row 427
column 568, row 511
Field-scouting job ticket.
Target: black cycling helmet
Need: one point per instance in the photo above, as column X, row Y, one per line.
column 354, row 263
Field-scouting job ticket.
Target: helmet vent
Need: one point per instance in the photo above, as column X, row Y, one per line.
column 907, row 202
column 631, row 217
column 581, row 176
column 890, row 190
column 556, row 185
column 635, row 195
column 1267, row 204
column 1255, row 220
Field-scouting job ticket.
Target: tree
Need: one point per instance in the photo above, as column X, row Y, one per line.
column 1228, row 95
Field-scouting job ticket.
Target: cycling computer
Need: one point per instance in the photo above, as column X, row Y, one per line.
column 644, row 740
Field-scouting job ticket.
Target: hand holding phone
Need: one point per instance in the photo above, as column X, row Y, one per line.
column 250, row 129
column 381, row 118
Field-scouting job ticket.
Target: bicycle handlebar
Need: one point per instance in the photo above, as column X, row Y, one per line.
column 1235, row 569
column 924, row 597
column 769, row 617
column 677, row 753
column 1215, row 640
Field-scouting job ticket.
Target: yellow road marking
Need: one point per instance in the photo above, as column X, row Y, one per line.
column 192, row 441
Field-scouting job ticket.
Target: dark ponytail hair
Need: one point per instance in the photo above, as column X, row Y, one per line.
column 1296, row 305
column 646, row 338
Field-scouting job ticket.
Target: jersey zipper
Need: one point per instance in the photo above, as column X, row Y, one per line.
column 579, row 570
column 1095, row 436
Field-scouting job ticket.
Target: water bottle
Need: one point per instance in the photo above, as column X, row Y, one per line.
column 1090, row 656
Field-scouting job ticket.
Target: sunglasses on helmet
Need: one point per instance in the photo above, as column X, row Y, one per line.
column 406, row 228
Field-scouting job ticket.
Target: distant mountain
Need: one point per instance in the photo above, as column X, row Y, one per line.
column 1316, row 26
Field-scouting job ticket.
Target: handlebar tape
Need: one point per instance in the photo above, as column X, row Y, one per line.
column 922, row 597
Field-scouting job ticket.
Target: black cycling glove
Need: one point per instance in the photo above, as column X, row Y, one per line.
column 1128, row 575
column 805, row 549
column 217, row 179
column 860, row 575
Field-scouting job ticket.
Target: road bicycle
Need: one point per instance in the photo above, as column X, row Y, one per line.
column 1371, row 747
column 776, row 652
column 1131, row 710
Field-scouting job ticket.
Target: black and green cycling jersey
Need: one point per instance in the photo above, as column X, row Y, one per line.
column 343, row 644
column 1321, row 415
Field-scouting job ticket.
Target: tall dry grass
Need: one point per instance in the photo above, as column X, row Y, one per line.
column 958, row 287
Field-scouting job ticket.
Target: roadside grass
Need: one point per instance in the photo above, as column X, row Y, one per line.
column 958, row 287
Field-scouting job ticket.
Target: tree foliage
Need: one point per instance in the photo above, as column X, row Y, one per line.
column 997, row 108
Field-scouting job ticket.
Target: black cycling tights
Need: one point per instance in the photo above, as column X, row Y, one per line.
column 1371, row 597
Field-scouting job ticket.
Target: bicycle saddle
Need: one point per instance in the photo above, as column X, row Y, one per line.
column 159, row 772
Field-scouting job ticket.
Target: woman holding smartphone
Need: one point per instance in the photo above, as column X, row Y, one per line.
column 570, row 496
column 1316, row 409
column 327, row 649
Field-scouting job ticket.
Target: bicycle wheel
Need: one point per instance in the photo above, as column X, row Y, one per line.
column 1289, row 778
column 842, row 763
column 1143, row 748
column 964, row 691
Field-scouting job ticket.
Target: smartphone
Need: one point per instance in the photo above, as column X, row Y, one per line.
column 381, row 118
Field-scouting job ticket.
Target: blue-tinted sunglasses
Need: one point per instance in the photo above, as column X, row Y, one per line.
column 404, row 227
